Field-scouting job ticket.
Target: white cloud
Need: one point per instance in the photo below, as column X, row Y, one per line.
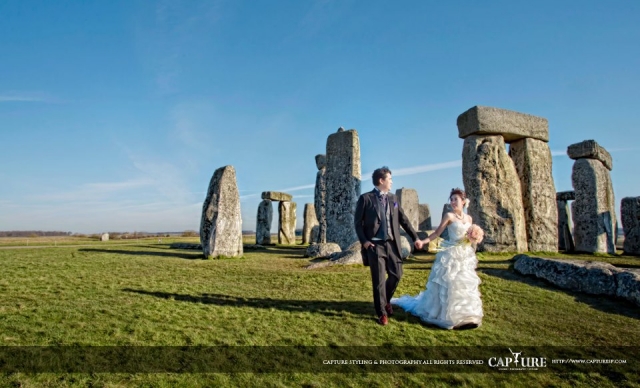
column 27, row 97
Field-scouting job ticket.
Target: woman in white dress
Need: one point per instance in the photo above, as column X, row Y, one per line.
column 451, row 299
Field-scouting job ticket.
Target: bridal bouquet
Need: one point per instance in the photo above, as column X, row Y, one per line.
column 475, row 234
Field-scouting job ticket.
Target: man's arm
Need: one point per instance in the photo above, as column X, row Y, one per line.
column 359, row 220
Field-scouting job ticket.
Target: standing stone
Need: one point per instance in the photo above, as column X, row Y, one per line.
column 263, row 224
column 315, row 233
column 445, row 209
column 408, row 199
column 630, row 214
column 565, row 235
column 594, row 218
column 221, row 223
column 320, row 200
column 287, row 223
column 424, row 217
column 342, row 186
column 532, row 159
column 104, row 237
column 493, row 187
column 310, row 221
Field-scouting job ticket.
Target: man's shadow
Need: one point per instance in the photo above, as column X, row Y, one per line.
column 324, row 307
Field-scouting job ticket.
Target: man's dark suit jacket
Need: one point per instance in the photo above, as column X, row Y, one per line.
column 369, row 212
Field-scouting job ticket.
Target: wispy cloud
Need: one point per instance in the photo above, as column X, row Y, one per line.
column 27, row 97
column 94, row 191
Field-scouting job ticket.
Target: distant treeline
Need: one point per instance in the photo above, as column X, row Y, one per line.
column 32, row 233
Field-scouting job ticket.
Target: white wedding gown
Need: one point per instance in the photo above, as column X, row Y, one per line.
column 452, row 297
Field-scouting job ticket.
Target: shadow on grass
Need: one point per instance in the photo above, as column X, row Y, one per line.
column 324, row 307
column 179, row 255
column 607, row 304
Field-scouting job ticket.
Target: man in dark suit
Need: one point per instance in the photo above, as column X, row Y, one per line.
column 377, row 220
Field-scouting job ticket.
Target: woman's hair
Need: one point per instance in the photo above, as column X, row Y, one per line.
column 458, row 191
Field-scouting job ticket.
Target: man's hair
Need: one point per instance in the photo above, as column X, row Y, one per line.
column 458, row 191
column 380, row 173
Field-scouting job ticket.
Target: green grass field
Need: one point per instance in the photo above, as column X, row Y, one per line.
column 145, row 294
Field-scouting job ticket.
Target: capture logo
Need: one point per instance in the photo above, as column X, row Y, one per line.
column 516, row 362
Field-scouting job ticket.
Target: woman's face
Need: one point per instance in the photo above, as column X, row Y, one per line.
column 457, row 202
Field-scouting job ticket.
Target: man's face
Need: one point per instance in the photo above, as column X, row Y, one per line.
column 385, row 184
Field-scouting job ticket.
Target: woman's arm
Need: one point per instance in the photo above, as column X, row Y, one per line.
column 443, row 224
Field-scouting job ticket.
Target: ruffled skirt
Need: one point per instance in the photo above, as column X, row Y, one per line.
column 452, row 297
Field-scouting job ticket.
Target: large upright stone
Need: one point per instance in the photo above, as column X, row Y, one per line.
column 221, row 222
column 512, row 126
column 590, row 149
column 310, row 221
column 565, row 234
column 343, row 186
column 286, row 223
column 408, row 199
column 263, row 223
column 493, row 187
column 532, row 159
column 445, row 209
column 594, row 217
column 630, row 214
column 424, row 217
column 276, row 196
column 320, row 198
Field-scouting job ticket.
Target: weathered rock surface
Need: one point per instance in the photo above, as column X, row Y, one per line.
column 408, row 199
column 342, row 186
column 590, row 149
column 630, row 214
column 493, row 187
column 320, row 198
column 276, row 196
column 287, row 222
column 566, row 195
column 321, row 161
column 221, row 222
column 583, row 276
column 315, row 233
column 484, row 120
column 446, row 209
column 263, row 223
column 318, row 250
column 424, row 217
column 532, row 159
column 565, row 233
column 104, row 237
column 309, row 222
column 593, row 211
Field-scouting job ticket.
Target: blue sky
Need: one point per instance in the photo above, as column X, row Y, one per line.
column 115, row 114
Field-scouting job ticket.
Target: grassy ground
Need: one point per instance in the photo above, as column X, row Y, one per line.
column 147, row 294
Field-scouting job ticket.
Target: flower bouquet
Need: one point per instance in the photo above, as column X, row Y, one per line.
column 475, row 234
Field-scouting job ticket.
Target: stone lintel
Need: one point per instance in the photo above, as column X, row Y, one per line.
column 484, row 120
column 590, row 149
column 276, row 196
column 566, row 195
